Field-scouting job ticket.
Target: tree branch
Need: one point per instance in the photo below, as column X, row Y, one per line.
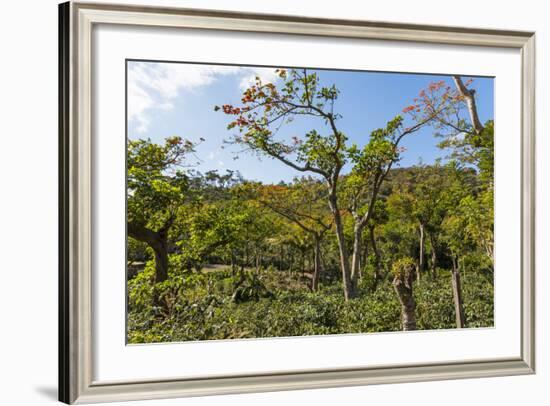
column 471, row 102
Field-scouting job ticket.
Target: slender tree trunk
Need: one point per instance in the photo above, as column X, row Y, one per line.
column 403, row 286
column 344, row 260
column 317, row 265
column 157, row 240
column 420, row 268
column 360, row 264
column 457, row 295
column 377, row 275
column 364, row 258
column 355, row 267
column 434, row 256
column 233, row 263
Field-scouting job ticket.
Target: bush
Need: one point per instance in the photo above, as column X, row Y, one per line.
column 202, row 306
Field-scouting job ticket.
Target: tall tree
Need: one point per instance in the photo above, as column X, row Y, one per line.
column 266, row 107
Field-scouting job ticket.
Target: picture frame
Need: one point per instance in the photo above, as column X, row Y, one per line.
column 76, row 215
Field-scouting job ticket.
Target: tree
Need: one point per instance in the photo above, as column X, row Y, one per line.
column 455, row 240
column 476, row 149
column 219, row 221
column 401, row 229
column 208, row 226
column 156, row 186
column 374, row 260
column 266, row 107
column 472, row 144
column 371, row 166
column 302, row 203
column 419, row 199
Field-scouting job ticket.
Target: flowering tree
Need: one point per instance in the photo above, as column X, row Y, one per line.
column 323, row 151
column 470, row 217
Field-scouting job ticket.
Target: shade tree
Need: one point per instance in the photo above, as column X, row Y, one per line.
column 322, row 151
column 157, row 184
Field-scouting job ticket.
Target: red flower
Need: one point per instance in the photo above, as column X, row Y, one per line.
column 229, row 109
column 241, row 121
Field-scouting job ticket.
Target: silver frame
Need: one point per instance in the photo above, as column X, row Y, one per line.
column 75, row 319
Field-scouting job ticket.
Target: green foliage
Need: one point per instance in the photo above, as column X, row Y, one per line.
column 208, row 226
column 156, row 184
column 403, row 267
column 250, row 287
column 137, row 250
column 205, row 309
column 241, row 255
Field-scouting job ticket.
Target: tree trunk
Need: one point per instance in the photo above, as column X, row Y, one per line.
column 360, row 264
column 403, row 286
column 161, row 259
column 349, row 293
column 233, row 263
column 377, row 275
column 316, row 265
column 157, row 240
column 434, row 256
column 420, row 268
column 355, row 262
column 457, row 295
column 364, row 258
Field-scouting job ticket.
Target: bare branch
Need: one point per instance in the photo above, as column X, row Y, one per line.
column 471, row 102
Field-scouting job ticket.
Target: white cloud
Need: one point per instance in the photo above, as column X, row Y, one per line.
column 138, row 101
column 155, row 86
column 266, row 76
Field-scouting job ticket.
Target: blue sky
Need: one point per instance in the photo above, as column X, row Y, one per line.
column 167, row 99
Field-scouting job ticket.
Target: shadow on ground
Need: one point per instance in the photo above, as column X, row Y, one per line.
column 49, row 392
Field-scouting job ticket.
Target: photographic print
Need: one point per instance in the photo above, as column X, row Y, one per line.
column 298, row 201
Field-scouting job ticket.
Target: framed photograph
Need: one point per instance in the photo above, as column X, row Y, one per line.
column 259, row 202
